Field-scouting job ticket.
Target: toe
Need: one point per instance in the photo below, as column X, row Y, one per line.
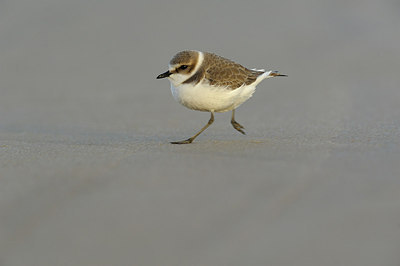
column 186, row 141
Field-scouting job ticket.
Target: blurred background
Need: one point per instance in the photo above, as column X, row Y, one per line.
column 87, row 174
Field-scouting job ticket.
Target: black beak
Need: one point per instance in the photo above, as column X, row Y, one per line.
column 164, row 75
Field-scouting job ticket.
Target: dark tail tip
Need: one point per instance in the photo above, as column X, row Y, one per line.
column 276, row 74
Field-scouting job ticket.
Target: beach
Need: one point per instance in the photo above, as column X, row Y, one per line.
column 87, row 172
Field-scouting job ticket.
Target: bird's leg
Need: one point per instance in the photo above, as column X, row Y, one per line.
column 236, row 125
column 190, row 140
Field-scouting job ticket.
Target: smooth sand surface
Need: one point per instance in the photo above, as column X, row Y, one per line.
column 87, row 174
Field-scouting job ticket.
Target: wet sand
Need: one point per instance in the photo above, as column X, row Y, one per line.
column 87, row 174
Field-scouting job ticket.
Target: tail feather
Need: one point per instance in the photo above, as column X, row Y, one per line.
column 258, row 70
column 275, row 74
column 266, row 75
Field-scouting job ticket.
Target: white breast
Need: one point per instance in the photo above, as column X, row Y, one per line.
column 204, row 97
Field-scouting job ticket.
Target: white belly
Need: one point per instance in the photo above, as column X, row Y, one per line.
column 206, row 98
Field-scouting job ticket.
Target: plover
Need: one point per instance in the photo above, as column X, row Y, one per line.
column 207, row 82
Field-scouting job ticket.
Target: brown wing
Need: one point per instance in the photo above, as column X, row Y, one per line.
column 222, row 72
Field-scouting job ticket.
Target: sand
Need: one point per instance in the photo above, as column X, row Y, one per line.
column 87, row 174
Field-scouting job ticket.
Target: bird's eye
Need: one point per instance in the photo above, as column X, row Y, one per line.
column 183, row 67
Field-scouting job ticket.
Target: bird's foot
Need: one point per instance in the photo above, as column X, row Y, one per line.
column 186, row 141
column 238, row 127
